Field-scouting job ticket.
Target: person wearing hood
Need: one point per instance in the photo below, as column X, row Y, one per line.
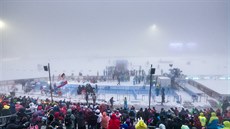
column 226, row 125
column 213, row 122
column 162, row 126
column 124, row 126
column 69, row 119
column 140, row 124
column 104, row 120
column 184, row 127
column 6, row 110
column 56, row 122
column 114, row 123
column 202, row 119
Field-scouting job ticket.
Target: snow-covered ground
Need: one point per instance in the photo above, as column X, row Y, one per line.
column 142, row 99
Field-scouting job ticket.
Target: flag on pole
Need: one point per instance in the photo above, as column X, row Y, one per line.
column 63, row 81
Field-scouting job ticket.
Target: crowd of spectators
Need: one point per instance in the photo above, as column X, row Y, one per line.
column 26, row 112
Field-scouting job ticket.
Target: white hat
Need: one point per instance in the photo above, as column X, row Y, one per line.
column 97, row 111
column 162, row 126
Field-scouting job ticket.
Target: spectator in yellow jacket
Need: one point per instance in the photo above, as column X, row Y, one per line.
column 141, row 125
column 213, row 117
column 202, row 119
column 226, row 125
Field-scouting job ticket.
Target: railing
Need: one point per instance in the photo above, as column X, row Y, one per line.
column 5, row 119
column 205, row 89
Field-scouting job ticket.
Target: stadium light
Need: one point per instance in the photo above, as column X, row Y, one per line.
column 2, row 24
column 154, row 27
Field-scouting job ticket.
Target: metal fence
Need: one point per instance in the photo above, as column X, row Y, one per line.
column 5, row 119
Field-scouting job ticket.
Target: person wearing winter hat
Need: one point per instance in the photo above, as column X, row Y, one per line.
column 99, row 118
column 162, row 126
column 104, row 121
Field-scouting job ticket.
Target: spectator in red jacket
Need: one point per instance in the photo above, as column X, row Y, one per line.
column 114, row 123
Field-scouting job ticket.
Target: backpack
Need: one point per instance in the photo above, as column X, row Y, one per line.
column 68, row 121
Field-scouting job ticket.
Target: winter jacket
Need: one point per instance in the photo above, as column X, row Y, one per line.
column 213, row 122
column 202, row 119
column 105, row 121
column 114, row 123
column 12, row 108
column 213, row 117
column 226, row 125
column 71, row 118
column 141, row 125
column 92, row 119
column 140, row 114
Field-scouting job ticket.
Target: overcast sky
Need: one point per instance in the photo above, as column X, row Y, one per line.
column 108, row 28
column 58, row 29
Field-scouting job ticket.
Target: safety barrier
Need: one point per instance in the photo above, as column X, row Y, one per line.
column 4, row 120
column 206, row 90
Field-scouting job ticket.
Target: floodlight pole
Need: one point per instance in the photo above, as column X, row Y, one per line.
column 51, row 91
column 150, row 87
